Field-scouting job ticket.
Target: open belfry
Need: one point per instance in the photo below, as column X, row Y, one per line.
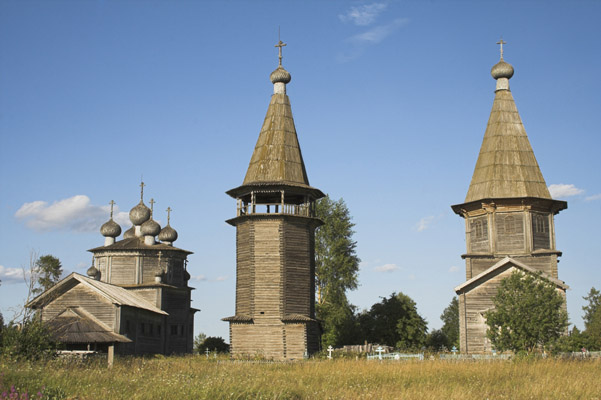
column 275, row 241
column 508, row 214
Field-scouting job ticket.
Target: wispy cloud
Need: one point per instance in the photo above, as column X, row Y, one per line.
column 198, row 278
column 363, row 15
column 387, row 268
column 74, row 213
column 11, row 275
column 454, row 268
column 424, row 223
column 357, row 44
column 378, row 33
column 563, row 190
column 593, row 197
column 222, row 278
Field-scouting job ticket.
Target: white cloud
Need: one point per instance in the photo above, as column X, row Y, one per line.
column 593, row 197
column 387, row 268
column 454, row 268
column 424, row 223
column 221, row 278
column 74, row 213
column 363, row 15
column 562, row 190
column 11, row 275
column 379, row 33
column 198, row 278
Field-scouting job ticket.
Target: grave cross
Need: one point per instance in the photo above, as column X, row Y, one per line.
column 207, row 352
column 454, row 350
column 330, row 349
column 379, row 350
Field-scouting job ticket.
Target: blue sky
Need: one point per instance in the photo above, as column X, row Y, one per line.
column 390, row 99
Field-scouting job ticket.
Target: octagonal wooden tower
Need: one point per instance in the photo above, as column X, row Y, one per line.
column 275, row 242
column 508, row 214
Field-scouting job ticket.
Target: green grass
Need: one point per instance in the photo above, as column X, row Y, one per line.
column 198, row 378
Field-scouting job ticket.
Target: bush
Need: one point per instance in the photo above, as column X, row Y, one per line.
column 31, row 341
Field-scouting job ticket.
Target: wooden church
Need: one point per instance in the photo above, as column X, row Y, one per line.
column 135, row 299
column 509, row 216
column 275, row 242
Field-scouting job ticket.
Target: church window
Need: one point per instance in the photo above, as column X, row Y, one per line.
column 541, row 224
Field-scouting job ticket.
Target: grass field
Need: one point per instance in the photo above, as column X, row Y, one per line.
column 195, row 377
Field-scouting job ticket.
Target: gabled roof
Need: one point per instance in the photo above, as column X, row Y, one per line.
column 277, row 156
column 506, row 165
column 504, row 262
column 75, row 325
column 114, row 294
column 137, row 243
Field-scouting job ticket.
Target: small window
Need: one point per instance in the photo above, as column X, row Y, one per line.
column 151, row 327
column 509, row 224
column 173, row 330
column 159, row 330
column 541, row 224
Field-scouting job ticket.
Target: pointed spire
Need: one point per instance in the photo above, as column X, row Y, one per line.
column 277, row 157
column 506, row 166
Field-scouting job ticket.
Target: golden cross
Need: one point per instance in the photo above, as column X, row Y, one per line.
column 168, row 214
column 112, row 203
column 501, row 42
column 142, row 190
column 151, row 206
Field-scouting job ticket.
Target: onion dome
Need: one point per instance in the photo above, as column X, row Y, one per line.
column 280, row 75
column 168, row 234
column 110, row 229
column 186, row 276
column 139, row 214
column 92, row 271
column 130, row 233
column 502, row 70
column 150, row 228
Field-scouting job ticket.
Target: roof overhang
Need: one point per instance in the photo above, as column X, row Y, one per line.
column 288, row 187
column 554, row 206
column 501, row 264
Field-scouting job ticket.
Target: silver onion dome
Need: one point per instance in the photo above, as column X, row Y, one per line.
column 280, row 75
column 110, row 229
column 502, row 70
column 150, row 228
column 130, row 233
column 168, row 234
column 139, row 214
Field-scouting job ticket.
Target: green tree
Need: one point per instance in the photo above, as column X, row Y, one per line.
column 48, row 270
column 214, row 344
column 594, row 303
column 30, row 341
column 528, row 313
column 336, row 267
column 437, row 340
column 198, row 341
column 450, row 319
column 394, row 322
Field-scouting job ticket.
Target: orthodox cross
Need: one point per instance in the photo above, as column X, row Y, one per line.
column 142, row 190
column 168, row 214
column 280, row 45
column 501, row 42
column 152, row 206
column 330, row 349
column 112, row 203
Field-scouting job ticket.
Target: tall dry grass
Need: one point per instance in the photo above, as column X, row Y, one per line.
column 195, row 377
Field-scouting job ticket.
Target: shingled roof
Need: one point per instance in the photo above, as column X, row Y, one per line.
column 277, row 156
column 506, row 166
column 75, row 325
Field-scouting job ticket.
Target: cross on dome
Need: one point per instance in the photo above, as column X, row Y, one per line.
column 112, row 203
column 168, row 214
column 501, row 43
column 280, row 45
column 152, row 206
column 142, row 184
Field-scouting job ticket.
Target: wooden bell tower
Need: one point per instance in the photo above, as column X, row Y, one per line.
column 275, row 242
